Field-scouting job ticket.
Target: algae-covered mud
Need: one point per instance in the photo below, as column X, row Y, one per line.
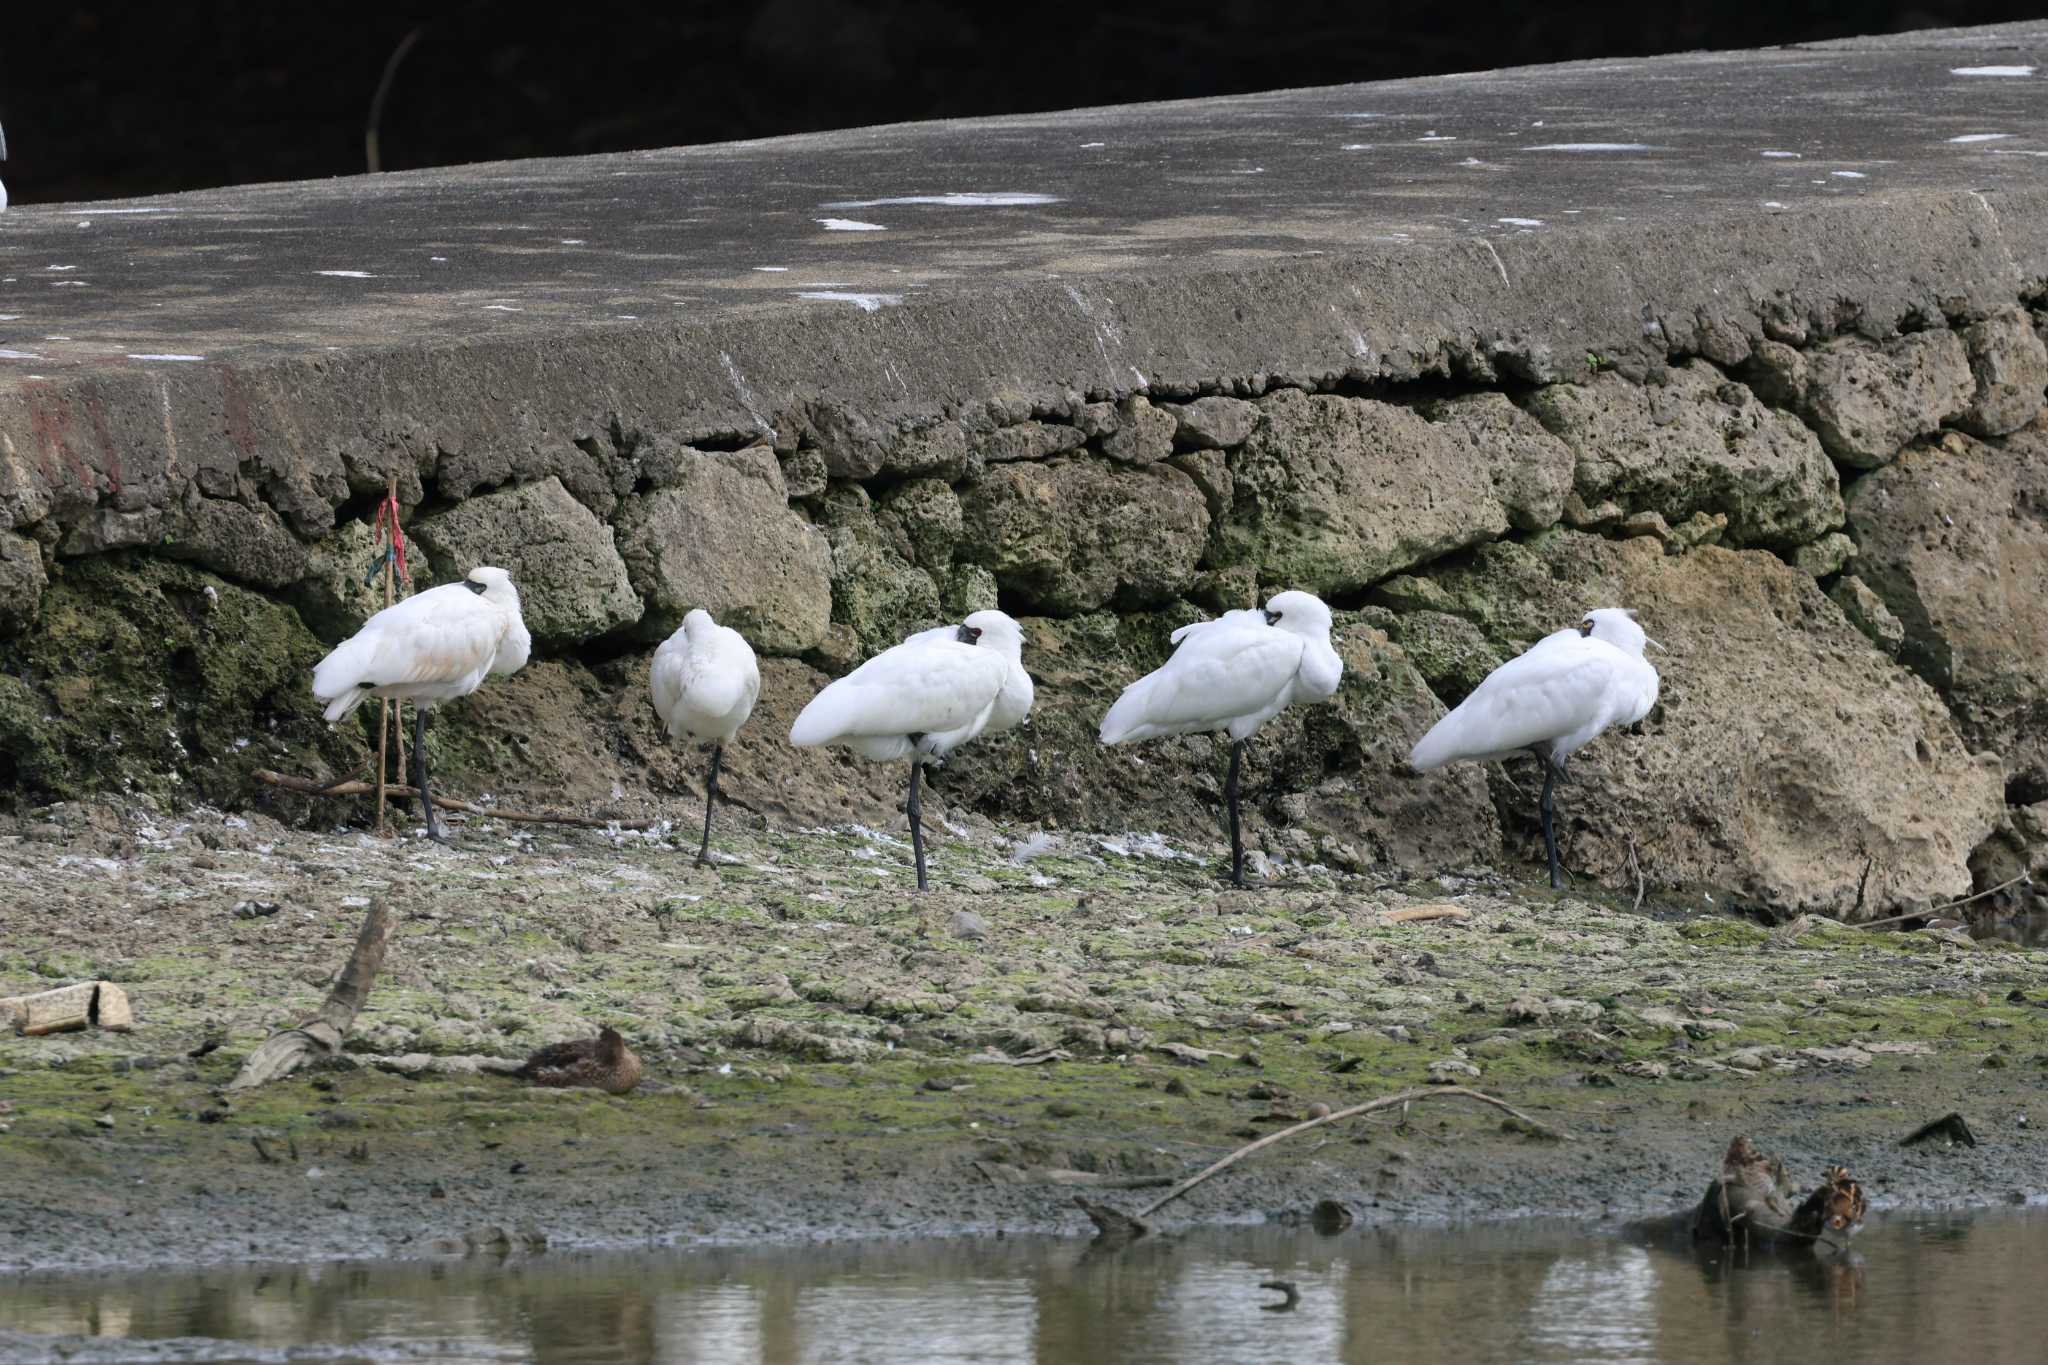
column 831, row 1054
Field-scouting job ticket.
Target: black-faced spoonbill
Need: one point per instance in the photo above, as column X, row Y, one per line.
column 430, row 648
column 1232, row 675
column 1551, row 701
column 921, row 700
column 704, row 681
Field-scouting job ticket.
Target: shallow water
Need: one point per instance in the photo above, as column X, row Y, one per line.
column 1918, row 1288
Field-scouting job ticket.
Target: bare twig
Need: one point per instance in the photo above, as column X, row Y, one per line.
column 1636, row 868
column 1403, row 1098
column 370, row 148
column 1937, row 909
column 308, row 787
column 384, row 703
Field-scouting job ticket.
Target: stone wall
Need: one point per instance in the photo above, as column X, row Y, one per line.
column 1841, row 539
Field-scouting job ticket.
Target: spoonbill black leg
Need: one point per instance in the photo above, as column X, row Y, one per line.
column 710, row 795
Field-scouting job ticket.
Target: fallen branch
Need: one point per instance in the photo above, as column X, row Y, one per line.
column 1384, row 1102
column 307, row 787
column 1937, row 909
column 285, row 1052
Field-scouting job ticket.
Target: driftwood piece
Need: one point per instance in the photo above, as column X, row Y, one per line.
column 306, row 786
column 89, row 1004
column 285, row 1052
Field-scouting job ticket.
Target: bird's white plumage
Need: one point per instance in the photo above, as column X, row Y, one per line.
column 1233, row 674
column 933, row 685
column 1564, row 690
column 704, row 680
column 430, row 648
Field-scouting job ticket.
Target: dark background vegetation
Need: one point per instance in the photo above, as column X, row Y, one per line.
column 101, row 98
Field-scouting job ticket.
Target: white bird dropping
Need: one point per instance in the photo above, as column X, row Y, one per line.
column 1550, row 701
column 430, row 648
column 704, row 680
column 1233, row 675
column 923, row 699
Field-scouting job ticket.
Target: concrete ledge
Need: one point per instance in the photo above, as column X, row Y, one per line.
column 1378, row 232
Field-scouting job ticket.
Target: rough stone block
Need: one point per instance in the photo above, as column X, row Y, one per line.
column 1030, row 441
column 1214, row 423
column 564, row 562
column 21, row 582
column 1696, row 443
column 248, row 544
column 1331, row 493
column 1073, row 535
column 1531, row 469
column 2011, row 369
column 725, row 539
column 1868, row 401
column 1144, row 434
column 1954, row 540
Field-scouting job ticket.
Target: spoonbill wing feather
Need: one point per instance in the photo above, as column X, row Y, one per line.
column 1244, row 616
column 920, row 687
column 446, row 635
column 1216, row 675
column 1560, row 687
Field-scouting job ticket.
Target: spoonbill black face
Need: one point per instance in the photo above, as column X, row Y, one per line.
column 474, row 586
column 969, row 634
column 1586, row 627
column 1273, row 617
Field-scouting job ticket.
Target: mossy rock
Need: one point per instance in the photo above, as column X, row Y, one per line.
column 148, row 675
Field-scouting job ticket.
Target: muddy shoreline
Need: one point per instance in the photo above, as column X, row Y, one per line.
column 829, row 1058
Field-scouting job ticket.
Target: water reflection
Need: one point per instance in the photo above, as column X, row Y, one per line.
column 1918, row 1288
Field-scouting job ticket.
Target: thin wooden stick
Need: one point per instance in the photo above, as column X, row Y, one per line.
column 1937, row 909
column 384, row 705
column 308, row 787
column 1384, row 1102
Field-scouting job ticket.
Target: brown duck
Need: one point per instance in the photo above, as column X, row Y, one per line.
column 1834, row 1209
column 604, row 1063
column 1748, row 1194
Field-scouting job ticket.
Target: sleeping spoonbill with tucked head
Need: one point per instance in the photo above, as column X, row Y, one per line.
column 704, row 681
column 1233, row 675
column 996, row 631
column 1550, row 701
column 921, row 700
column 430, row 648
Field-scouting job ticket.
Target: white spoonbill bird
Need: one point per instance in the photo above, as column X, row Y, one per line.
column 704, row 681
column 921, row 700
column 1013, row 704
column 1551, row 701
column 1232, row 675
column 430, row 648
